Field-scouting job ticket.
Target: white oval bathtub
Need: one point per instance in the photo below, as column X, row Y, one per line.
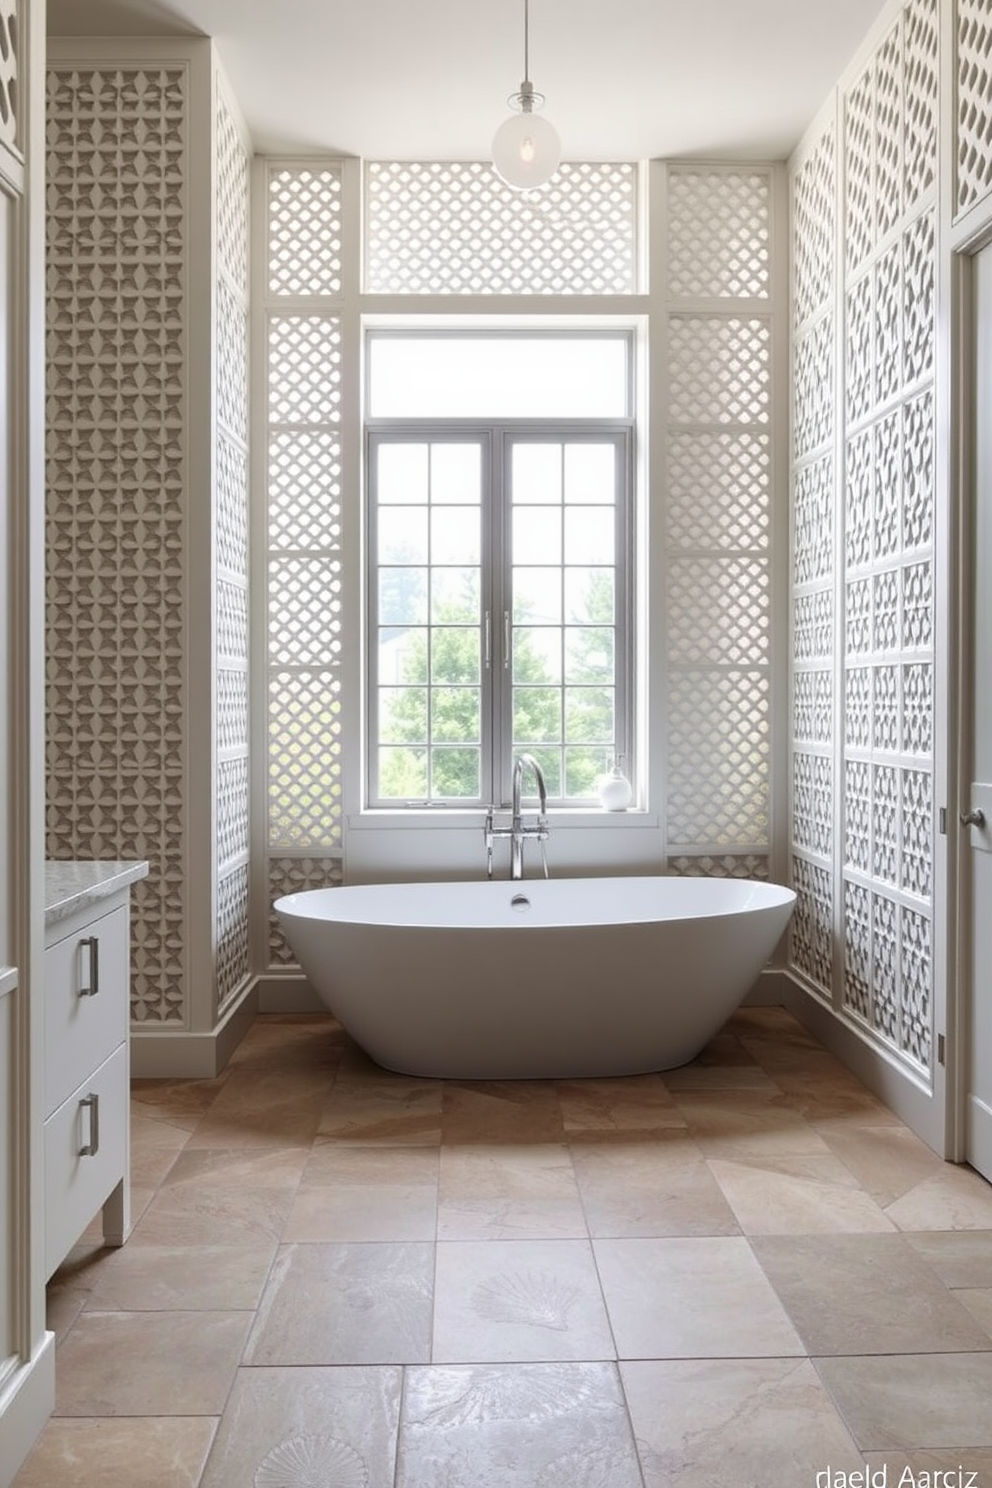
column 536, row 979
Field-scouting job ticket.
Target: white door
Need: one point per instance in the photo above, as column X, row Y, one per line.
column 976, row 807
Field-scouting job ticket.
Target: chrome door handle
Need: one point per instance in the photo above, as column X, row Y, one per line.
column 973, row 818
column 91, row 1102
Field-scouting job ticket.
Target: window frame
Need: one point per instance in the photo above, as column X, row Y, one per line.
column 496, row 437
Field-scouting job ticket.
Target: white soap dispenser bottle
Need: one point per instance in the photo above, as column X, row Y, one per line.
column 615, row 789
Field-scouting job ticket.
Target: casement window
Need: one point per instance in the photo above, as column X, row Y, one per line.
column 499, row 593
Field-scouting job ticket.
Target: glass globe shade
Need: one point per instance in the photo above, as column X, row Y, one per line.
column 526, row 150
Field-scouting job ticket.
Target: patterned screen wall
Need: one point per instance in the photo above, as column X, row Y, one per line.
column 577, row 235
column 117, row 697
column 973, row 120
column 8, row 72
column 718, row 518
column 303, row 310
column 231, row 591
column 866, row 686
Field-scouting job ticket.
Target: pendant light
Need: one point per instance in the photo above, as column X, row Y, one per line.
column 526, row 148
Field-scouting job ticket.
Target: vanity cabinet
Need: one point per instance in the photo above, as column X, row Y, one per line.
column 86, row 1065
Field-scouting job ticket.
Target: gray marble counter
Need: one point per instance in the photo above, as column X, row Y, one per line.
column 70, row 886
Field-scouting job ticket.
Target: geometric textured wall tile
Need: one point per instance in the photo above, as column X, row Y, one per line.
column 8, row 72
column 813, row 388
column 973, row 143
column 811, row 933
column 304, row 230
column 719, row 234
column 718, row 490
column 718, row 761
column 718, row 611
column 116, row 481
column 576, row 236
column 720, row 370
column 294, row 875
column 813, row 216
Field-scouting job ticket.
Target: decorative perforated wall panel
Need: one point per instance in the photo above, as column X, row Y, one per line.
column 303, row 506
column 718, row 505
column 117, row 696
column 577, row 235
column 871, row 888
column 293, row 876
column 973, row 142
column 232, row 807
column 8, row 71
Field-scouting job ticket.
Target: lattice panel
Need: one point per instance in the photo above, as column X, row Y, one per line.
column 719, row 611
column 718, row 490
column 859, row 500
column 233, row 945
column 305, row 760
column 813, row 389
column 885, row 611
column 813, row 534
column 232, row 358
column 887, row 339
column 812, row 795
column 857, row 815
column 304, row 230
column 8, row 72
column 729, row 865
column 718, row 784
column 295, row 876
column 918, row 472
column 232, row 507
column 857, row 707
column 304, row 369
column 813, row 707
column 917, row 709
column 811, row 936
column 720, row 371
column 232, row 621
column 885, row 967
column 918, row 289
column 917, row 833
column 232, row 810
column 304, row 611
column 885, row 824
column 859, row 129
column 719, row 234
column 232, row 709
column 117, row 702
column 917, row 607
column 857, row 951
column 973, row 145
column 305, row 490
column 232, row 199
column 921, row 46
column 888, row 133
column 814, row 221
column 577, row 235
column 813, row 625
column 916, row 969
column 859, row 363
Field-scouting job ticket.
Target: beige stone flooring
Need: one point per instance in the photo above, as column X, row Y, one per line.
column 746, row 1271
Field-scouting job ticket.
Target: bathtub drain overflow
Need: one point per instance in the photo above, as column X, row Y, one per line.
column 520, row 903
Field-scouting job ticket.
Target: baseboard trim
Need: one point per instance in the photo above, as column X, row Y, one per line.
column 911, row 1100
column 182, row 1055
column 287, row 992
column 769, row 990
column 27, row 1400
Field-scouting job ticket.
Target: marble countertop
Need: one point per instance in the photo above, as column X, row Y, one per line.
column 70, row 886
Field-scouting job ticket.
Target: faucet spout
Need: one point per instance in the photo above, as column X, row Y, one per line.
column 517, row 829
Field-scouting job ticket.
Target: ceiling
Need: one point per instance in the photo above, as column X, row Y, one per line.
column 429, row 79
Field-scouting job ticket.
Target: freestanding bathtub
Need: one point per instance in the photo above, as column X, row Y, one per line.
column 535, row 979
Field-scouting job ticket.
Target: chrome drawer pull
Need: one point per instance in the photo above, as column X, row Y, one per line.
column 91, row 985
column 92, row 1147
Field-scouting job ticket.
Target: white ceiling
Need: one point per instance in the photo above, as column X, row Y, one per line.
column 429, row 79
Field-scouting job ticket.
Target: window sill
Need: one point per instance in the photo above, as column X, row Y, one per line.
column 443, row 818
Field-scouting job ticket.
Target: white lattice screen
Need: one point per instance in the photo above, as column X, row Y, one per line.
column 868, row 767
column 973, row 121
column 231, row 570
column 718, row 518
column 303, row 507
column 425, row 234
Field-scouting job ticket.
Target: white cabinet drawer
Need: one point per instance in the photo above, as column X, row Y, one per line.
column 86, row 980
column 78, row 1181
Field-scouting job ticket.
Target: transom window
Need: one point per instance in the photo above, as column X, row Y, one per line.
column 499, row 591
